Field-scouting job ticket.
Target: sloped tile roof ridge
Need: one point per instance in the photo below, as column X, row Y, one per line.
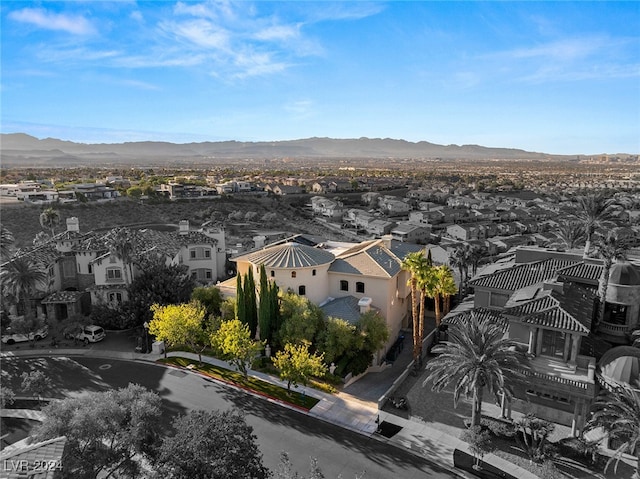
column 556, row 318
column 482, row 313
column 522, row 275
column 290, row 255
column 357, row 248
column 582, row 270
column 543, row 303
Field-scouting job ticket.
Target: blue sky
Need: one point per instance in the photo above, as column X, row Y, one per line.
column 556, row 77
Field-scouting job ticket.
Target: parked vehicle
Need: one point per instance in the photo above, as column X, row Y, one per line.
column 9, row 337
column 89, row 334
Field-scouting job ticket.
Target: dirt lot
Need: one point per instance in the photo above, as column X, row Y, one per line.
column 288, row 216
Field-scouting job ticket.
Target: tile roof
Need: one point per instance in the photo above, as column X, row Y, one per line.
column 289, row 255
column 45, row 452
column 586, row 272
column 343, row 308
column 521, row 275
column 369, row 259
column 547, row 311
column 63, row 297
column 483, row 314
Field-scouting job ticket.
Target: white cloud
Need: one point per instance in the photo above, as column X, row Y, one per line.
column 199, row 32
column 300, row 108
column 74, row 24
column 278, row 32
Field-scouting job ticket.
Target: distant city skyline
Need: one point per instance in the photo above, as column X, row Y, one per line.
column 554, row 77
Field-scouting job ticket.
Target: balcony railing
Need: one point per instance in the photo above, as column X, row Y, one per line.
column 557, row 379
column 614, row 329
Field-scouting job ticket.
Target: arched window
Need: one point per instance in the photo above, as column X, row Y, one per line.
column 359, row 287
column 344, row 285
column 302, row 290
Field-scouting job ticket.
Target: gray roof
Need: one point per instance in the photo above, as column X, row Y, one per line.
column 289, row 255
column 368, row 259
column 343, row 308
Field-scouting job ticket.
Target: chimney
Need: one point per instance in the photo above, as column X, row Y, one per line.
column 386, row 240
column 365, row 304
column 73, row 224
column 184, row 227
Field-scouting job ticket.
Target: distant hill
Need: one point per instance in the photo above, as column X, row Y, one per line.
column 19, row 149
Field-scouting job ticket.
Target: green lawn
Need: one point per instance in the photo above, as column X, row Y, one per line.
column 252, row 384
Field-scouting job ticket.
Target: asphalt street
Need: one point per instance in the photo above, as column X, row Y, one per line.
column 339, row 452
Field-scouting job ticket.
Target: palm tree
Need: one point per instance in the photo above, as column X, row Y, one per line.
column 441, row 286
column 50, row 218
column 460, row 258
column 617, row 412
column 610, row 247
column 475, row 256
column 122, row 245
column 20, row 278
column 475, row 357
column 6, row 242
column 416, row 263
column 595, row 211
column 569, row 235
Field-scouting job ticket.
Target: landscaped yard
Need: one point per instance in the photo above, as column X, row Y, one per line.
column 255, row 385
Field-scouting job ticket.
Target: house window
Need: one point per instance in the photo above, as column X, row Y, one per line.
column 115, row 297
column 192, row 254
column 615, row 313
column 273, row 273
column 359, row 287
column 344, row 285
column 207, row 253
column 68, row 269
column 313, row 272
column 207, row 274
column 553, row 343
column 302, row 290
column 293, row 274
column 114, row 274
column 498, row 299
column 90, row 269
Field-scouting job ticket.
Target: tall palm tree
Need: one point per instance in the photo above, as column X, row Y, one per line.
column 569, row 235
column 475, row 357
column 610, row 247
column 461, row 258
column 595, row 211
column 6, row 242
column 617, row 412
column 50, row 218
column 415, row 263
column 20, row 279
column 440, row 286
column 476, row 254
column 122, row 244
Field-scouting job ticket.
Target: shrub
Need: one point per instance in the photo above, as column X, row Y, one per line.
column 498, row 427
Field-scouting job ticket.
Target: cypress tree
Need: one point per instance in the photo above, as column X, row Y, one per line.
column 264, row 306
column 274, row 313
column 251, row 309
column 241, row 312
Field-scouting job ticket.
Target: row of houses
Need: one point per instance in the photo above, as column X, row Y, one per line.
column 83, row 271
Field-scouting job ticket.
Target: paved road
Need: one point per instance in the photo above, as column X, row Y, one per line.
column 339, row 451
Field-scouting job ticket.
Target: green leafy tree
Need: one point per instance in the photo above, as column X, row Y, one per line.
column 476, row 357
column 372, row 331
column 134, row 192
column 156, row 283
column 36, row 383
column 233, row 340
column 7, row 397
column 107, row 432
column 617, row 413
column 210, row 297
column 181, row 324
column 297, row 365
column 301, row 320
column 337, row 339
column 50, row 218
column 211, row 444
column 122, row 244
column 228, row 309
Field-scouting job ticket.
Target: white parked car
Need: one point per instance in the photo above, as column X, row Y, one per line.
column 89, row 334
column 9, row 337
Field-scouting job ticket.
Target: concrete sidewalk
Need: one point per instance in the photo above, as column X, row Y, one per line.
column 341, row 409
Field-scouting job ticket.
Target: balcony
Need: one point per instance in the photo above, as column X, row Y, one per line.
column 553, row 374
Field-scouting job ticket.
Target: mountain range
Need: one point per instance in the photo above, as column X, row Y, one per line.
column 22, row 150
